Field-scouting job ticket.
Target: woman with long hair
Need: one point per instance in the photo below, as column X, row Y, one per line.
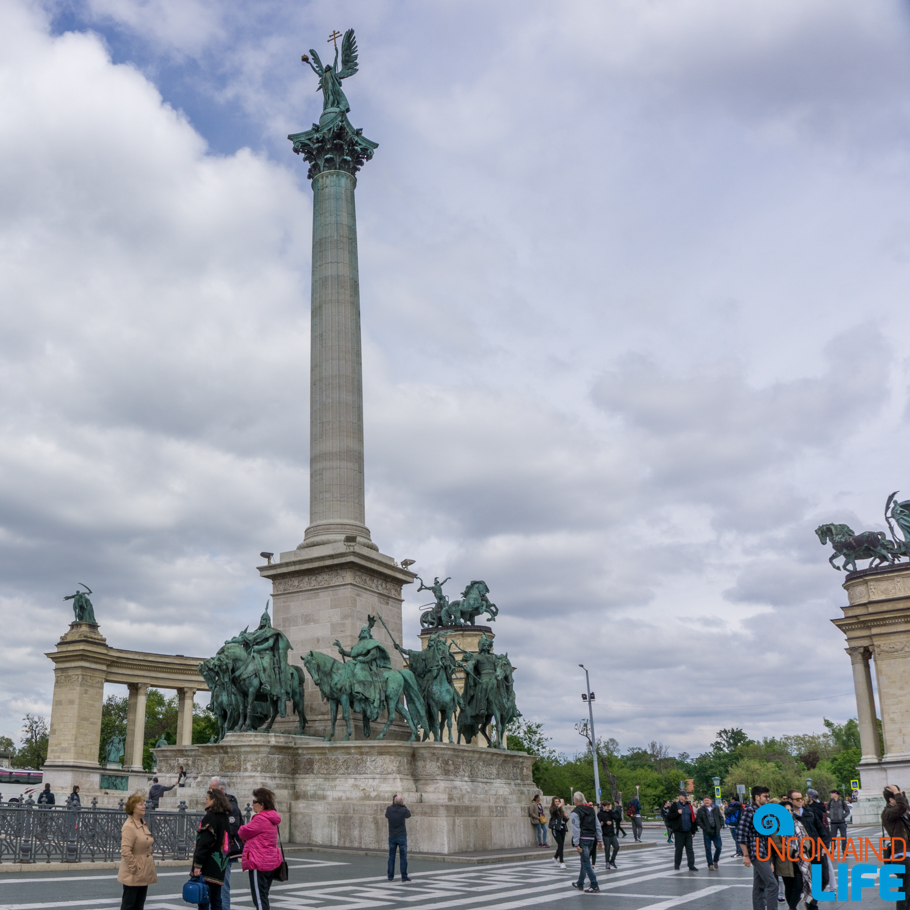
column 213, row 846
column 261, row 855
column 558, row 825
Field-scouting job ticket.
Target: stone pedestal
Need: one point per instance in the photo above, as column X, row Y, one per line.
column 876, row 623
column 325, row 593
column 461, row 798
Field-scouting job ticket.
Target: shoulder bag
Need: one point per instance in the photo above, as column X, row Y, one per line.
column 281, row 873
column 196, row 891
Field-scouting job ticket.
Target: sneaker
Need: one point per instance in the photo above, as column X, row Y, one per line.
column 592, row 890
column 555, row 860
column 577, row 886
column 614, row 865
column 693, row 869
column 562, row 865
column 405, row 879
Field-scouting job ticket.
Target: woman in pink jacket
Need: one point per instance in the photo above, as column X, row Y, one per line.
column 261, row 856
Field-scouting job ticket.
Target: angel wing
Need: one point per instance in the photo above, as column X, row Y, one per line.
column 316, row 63
column 348, row 55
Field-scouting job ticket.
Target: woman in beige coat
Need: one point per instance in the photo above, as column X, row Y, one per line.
column 137, row 866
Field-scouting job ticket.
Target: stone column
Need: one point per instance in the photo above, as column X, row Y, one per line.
column 135, row 727
column 865, row 704
column 185, row 716
column 336, row 383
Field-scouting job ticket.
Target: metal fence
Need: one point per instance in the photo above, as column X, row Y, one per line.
column 30, row 833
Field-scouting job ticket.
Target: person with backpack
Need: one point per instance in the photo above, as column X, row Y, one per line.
column 633, row 811
column 558, row 827
column 731, row 816
column 235, row 820
column 838, row 813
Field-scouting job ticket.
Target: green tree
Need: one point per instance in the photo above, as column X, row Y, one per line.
column 843, row 767
column 32, row 753
column 729, row 740
column 845, row 736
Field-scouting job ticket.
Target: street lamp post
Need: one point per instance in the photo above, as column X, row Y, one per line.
column 589, row 698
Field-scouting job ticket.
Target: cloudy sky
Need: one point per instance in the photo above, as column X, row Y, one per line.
column 634, row 282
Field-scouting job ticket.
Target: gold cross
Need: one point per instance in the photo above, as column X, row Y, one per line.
column 334, row 37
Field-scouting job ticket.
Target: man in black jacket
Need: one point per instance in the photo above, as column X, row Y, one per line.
column 397, row 813
column 608, row 827
column 711, row 821
column 45, row 797
column 681, row 818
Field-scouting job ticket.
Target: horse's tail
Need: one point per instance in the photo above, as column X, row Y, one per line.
column 417, row 707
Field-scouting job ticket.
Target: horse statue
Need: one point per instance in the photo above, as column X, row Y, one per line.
column 868, row 545
column 489, row 694
column 474, row 601
column 336, row 686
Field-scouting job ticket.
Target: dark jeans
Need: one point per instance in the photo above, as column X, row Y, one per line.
column 611, row 848
column 712, row 839
column 214, row 898
column 586, row 867
column 400, row 843
column 684, row 839
column 793, row 888
column 260, row 882
column 560, row 838
column 838, row 829
column 134, row 897
column 739, row 849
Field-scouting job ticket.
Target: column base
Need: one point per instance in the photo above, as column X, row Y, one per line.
column 348, row 533
column 325, row 593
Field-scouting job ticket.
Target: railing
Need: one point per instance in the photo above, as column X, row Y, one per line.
column 30, row 833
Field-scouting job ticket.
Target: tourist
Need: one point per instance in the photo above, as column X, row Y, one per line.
column 156, row 791
column 711, row 820
column 683, row 824
column 181, row 776
column 820, row 811
column 791, row 869
column 397, row 814
column 838, row 813
column 635, row 815
column 558, row 825
column 137, row 865
column 608, row 829
column 756, row 853
column 234, row 821
column 617, row 816
column 664, row 810
column 74, row 799
column 732, row 811
column 585, row 833
column 45, row 797
column 895, row 826
column 535, row 811
column 811, row 821
column 261, row 853
column 210, row 856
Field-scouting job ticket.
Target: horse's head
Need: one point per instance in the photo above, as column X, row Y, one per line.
column 316, row 664
column 824, row 532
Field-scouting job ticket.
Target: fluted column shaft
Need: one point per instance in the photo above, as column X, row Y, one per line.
column 336, row 381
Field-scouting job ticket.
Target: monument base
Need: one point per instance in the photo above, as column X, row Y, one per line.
column 461, row 798
column 875, row 776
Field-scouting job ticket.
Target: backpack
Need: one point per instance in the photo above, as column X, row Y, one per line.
column 733, row 818
column 630, row 811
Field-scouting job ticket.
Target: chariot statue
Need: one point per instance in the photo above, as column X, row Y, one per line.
column 443, row 613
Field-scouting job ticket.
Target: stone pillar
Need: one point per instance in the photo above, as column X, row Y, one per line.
column 135, row 727
column 75, row 732
column 865, row 704
column 336, row 383
column 185, row 716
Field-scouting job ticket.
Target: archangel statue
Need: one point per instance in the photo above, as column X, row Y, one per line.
column 251, row 680
column 82, row 606
column 489, row 694
column 333, row 143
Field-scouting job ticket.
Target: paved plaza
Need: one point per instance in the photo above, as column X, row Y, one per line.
column 645, row 880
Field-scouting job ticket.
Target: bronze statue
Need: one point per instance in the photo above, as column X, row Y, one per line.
column 489, row 694
column 82, row 606
column 113, row 751
column 251, row 681
column 367, row 685
column 434, row 669
column 444, row 612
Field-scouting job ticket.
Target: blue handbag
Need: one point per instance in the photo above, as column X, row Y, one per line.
column 195, row 891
